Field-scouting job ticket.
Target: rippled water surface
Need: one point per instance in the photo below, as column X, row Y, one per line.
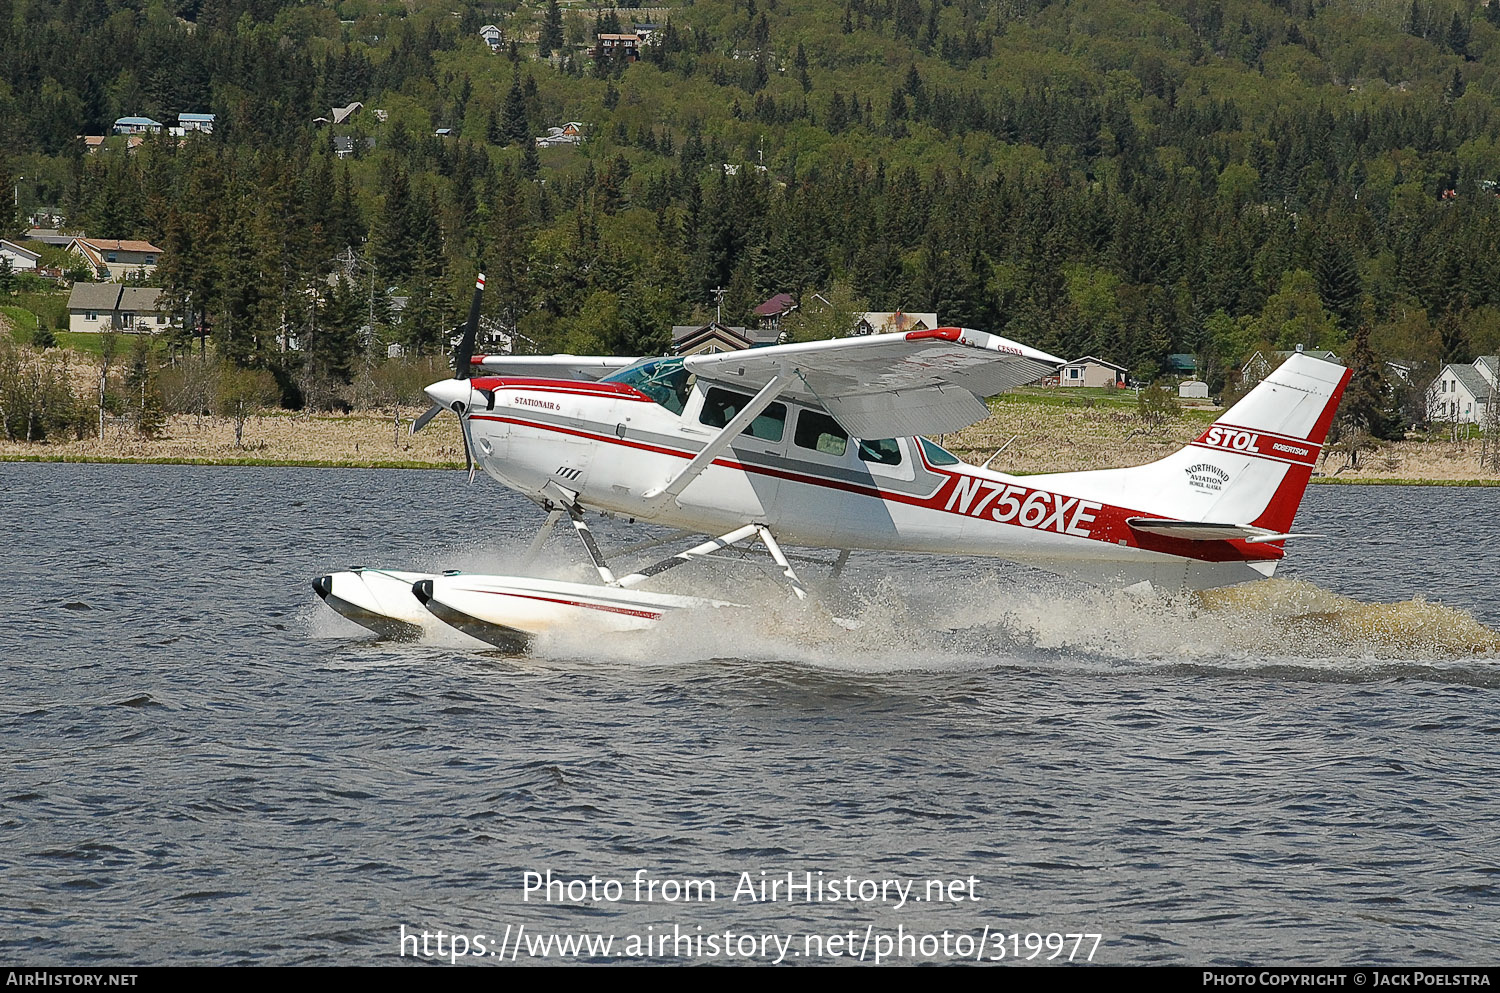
column 200, row 763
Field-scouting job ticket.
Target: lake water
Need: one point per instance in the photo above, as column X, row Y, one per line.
column 200, row 763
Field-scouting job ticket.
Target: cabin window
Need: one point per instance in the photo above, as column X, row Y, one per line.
column 937, row 454
column 91, row 315
column 820, row 433
column 663, row 380
column 720, row 406
column 111, row 257
column 885, row 451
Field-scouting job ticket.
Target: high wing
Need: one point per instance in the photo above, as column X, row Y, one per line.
column 888, row 385
column 589, row 367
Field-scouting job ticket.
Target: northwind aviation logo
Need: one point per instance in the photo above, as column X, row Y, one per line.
column 1207, row 476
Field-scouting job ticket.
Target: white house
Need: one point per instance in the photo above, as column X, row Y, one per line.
column 570, row 133
column 22, row 259
column 202, row 123
column 492, row 36
column 1460, row 392
column 100, row 307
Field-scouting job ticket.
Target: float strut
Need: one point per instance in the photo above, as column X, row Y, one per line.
column 780, row 559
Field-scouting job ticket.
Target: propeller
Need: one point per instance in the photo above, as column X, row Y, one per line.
column 463, row 430
column 462, row 370
column 462, row 366
column 427, row 415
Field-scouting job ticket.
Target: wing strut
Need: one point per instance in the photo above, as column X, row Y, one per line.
column 722, row 440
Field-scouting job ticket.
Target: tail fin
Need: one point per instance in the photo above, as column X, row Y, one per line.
column 1257, row 458
column 1251, row 466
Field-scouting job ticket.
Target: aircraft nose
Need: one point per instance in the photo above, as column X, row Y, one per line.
column 448, row 391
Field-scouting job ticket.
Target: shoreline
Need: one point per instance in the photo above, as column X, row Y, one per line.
column 295, row 463
column 1038, row 434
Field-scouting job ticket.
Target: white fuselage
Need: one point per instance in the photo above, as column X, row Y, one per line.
column 796, row 474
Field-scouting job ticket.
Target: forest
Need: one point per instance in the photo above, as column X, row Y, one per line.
column 1128, row 180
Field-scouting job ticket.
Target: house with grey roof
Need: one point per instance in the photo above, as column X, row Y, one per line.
column 100, row 307
column 136, row 125
column 1260, row 365
column 707, row 339
column 1461, row 393
column 202, row 123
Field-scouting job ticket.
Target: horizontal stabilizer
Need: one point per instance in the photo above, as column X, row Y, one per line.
column 1209, row 530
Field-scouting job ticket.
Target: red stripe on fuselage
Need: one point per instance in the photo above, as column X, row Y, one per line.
column 605, row 391
column 1108, row 526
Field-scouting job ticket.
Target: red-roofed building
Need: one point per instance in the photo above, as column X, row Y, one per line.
column 113, row 259
column 770, row 313
column 627, row 46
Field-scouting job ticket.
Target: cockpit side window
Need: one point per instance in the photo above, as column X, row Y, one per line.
column 720, row 406
column 663, row 380
column 885, row 451
column 820, row 433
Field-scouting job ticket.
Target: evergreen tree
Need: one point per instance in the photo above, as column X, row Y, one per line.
column 1338, row 282
column 531, row 162
column 9, row 223
column 1455, row 87
column 394, row 232
column 334, row 346
column 551, row 37
column 515, row 128
column 1368, row 401
column 1458, row 35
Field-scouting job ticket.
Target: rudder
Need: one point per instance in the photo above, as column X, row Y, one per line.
column 1279, row 429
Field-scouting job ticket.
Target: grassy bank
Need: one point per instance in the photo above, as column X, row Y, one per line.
column 1042, row 431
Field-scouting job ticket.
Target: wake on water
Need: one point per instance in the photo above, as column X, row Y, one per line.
column 876, row 621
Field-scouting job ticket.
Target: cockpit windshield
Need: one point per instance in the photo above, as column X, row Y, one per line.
column 938, row 455
column 663, row 380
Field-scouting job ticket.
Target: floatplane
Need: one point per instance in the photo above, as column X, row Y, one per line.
column 824, row 445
